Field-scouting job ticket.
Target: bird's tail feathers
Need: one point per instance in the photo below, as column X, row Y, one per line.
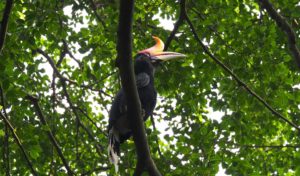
column 113, row 147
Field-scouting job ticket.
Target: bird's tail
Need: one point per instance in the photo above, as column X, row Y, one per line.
column 114, row 147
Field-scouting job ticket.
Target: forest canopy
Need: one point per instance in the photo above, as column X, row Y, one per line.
column 232, row 103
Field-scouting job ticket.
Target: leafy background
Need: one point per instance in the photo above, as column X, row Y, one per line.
column 80, row 37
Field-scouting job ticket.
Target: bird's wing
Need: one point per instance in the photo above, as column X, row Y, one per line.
column 142, row 79
column 118, row 108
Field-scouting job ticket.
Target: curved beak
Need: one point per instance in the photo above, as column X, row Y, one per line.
column 157, row 53
column 167, row 55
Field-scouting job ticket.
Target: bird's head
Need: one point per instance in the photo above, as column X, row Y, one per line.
column 154, row 55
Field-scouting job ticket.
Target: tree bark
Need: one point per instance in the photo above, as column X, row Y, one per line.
column 4, row 22
column 125, row 65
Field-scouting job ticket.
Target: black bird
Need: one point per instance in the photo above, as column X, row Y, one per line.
column 145, row 62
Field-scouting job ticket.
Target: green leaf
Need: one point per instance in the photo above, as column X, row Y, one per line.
column 2, row 133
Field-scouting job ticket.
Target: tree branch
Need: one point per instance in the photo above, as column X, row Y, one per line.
column 99, row 148
column 67, row 50
column 270, row 146
column 40, row 114
column 4, row 22
column 156, row 137
column 94, row 7
column 125, row 65
column 285, row 26
column 63, row 82
column 78, row 121
column 15, row 136
column 90, row 119
column 6, row 136
column 214, row 30
column 59, row 75
column 178, row 23
column 236, row 78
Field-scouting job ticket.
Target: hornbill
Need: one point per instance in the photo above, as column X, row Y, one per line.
column 145, row 62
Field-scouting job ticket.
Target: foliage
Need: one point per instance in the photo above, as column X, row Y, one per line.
column 247, row 140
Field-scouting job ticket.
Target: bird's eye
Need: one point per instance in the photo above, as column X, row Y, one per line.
column 148, row 55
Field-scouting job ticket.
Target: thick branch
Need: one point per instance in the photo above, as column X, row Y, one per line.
column 15, row 136
column 236, row 78
column 4, row 22
column 38, row 110
column 285, row 26
column 124, row 62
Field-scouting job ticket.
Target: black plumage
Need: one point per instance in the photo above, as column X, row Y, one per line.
column 145, row 61
column 119, row 129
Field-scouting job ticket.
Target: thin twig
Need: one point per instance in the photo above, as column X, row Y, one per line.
column 4, row 22
column 6, row 160
column 59, row 75
column 156, row 137
column 6, row 136
column 74, row 111
column 52, row 138
column 270, row 146
column 66, row 48
column 52, row 122
column 98, row 147
column 85, row 128
column 285, row 26
column 90, row 119
column 63, row 82
column 211, row 28
column 94, row 7
column 15, row 136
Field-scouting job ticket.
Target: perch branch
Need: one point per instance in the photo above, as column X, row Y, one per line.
column 125, row 65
